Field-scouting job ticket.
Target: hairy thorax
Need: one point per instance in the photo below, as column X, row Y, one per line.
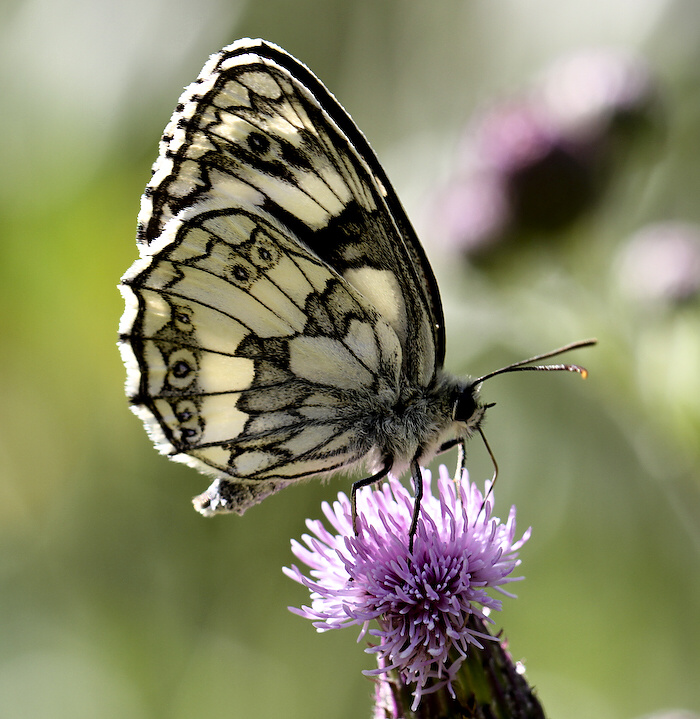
column 398, row 426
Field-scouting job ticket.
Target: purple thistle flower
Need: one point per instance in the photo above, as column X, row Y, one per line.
column 421, row 601
column 661, row 264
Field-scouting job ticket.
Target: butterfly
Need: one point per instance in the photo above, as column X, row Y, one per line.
column 282, row 321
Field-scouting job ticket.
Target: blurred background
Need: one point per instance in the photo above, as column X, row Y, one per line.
column 548, row 152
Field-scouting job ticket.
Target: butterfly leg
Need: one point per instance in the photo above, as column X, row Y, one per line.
column 461, row 457
column 417, row 497
column 364, row 483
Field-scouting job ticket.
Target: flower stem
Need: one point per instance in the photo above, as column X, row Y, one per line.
column 487, row 686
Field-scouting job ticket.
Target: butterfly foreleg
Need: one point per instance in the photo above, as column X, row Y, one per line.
column 461, row 456
column 365, row 483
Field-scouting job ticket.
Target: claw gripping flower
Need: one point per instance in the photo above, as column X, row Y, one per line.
column 421, row 601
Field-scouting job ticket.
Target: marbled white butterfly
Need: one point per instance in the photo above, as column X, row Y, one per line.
column 283, row 321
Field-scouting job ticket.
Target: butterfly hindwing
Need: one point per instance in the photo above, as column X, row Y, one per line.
column 280, row 288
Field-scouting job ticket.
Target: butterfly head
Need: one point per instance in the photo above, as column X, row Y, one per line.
column 466, row 406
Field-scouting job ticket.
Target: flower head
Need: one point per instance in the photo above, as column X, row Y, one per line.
column 661, row 264
column 535, row 163
column 421, row 600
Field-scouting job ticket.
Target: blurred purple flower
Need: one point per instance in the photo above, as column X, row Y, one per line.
column 661, row 264
column 423, row 600
column 593, row 92
column 536, row 163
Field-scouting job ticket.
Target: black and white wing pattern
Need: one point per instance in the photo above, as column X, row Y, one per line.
column 282, row 320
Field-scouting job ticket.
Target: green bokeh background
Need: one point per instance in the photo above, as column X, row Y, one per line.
column 116, row 598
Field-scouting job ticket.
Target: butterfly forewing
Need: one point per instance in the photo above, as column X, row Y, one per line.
column 280, row 290
column 259, row 129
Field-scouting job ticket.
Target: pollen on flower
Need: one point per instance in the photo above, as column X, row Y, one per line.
column 421, row 601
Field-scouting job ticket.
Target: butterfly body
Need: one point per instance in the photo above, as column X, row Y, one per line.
column 282, row 321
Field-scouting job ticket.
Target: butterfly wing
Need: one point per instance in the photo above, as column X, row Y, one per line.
column 280, row 288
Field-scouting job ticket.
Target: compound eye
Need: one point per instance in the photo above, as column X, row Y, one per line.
column 466, row 405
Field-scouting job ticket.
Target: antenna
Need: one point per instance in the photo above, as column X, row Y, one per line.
column 521, row 366
column 526, row 365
